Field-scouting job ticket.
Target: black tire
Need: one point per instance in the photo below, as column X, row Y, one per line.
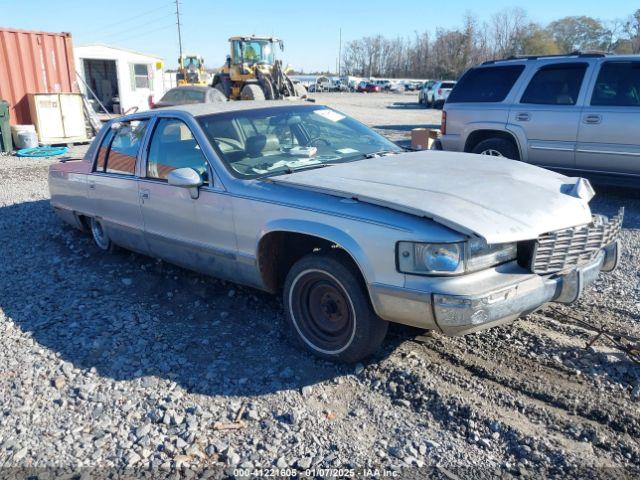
column 328, row 309
column 220, row 88
column 300, row 91
column 439, row 104
column 497, row 147
column 252, row 91
column 218, row 96
column 100, row 236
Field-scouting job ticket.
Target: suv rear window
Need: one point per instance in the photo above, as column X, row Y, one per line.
column 447, row 85
column 557, row 84
column 486, row 84
column 618, row 85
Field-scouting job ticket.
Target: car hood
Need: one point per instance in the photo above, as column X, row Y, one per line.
column 497, row 199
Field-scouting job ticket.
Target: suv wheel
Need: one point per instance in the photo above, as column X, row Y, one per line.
column 497, row 147
column 329, row 311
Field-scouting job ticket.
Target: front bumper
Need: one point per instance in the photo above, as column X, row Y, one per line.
column 516, row 294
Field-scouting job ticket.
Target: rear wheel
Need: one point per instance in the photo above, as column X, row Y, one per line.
column 497, row 147
column 252, row 91
column 100, row 236
column 329, row 311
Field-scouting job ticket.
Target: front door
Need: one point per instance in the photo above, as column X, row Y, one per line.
column 113, row 186
column 549, row 113
column 609, row 140
column 195, row 233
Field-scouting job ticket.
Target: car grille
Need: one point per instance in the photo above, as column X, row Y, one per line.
column 562, row 249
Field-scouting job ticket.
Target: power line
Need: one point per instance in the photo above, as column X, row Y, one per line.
column 141, row 34
column 134, row 17
column 147, row 22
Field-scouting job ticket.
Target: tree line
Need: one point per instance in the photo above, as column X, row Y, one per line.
column 449, row 52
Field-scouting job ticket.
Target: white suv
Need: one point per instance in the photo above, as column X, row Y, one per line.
column 438, row 93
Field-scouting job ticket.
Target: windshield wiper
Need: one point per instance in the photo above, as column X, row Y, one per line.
column 380, row 153
column 287, row 169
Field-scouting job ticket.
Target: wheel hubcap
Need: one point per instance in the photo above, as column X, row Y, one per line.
column 322, row 311
column 491, row 152
column 98, row 235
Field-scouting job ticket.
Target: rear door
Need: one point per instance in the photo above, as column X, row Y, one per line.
column 609, row 139
column 195, row 233
column 548, row 112
column 113, row 186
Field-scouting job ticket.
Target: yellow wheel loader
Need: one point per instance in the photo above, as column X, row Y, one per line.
column 191, row 71
column 252, row 72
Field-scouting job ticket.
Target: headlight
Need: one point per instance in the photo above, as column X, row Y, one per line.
column 431, row 258
column 452, row 258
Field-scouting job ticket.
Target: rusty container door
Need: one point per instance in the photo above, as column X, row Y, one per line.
column 33, row 62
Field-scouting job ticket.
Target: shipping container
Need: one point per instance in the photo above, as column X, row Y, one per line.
column 34, row 62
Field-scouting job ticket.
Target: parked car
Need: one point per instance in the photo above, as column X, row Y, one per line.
column 368, row 87
column 437, row 240
column 422, row 92
column 186, row 95
column 383, row 84
column 570, row 113
column 438, row 94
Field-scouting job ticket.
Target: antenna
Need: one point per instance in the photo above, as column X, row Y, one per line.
column 340, row 54
column 179, row 33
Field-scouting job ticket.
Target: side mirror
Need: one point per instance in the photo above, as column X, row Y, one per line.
column 186, row 178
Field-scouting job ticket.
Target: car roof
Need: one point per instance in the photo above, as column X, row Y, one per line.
column 559, row 58
column 198, row 88
column 200, row 109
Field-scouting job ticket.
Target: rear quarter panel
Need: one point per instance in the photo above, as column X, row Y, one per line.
column 68, row 185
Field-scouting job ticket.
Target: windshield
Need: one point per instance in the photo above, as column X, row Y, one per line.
column 270, row 141
column 254, row 51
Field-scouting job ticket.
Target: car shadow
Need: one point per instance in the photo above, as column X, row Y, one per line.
column 406, row 106
column 130, row 316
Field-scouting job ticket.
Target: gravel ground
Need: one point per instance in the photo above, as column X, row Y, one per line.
column 124, row 362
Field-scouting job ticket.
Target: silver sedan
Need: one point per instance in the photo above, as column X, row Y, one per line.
column 300, row 199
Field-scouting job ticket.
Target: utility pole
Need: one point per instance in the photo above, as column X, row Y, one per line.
column 179, row 34
column 340, row 55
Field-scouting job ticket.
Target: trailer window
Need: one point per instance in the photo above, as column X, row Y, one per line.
column 141, row 76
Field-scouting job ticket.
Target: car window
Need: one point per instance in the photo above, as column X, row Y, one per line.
column 101, row 159
column 173, row 146
column 618, row 85
column 447, row 85
column 174, row 95
column 488, row 84
column 194, row 96
column 123, row 151
column 555, row 85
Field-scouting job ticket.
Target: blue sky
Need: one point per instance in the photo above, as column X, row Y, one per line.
column 310, row 29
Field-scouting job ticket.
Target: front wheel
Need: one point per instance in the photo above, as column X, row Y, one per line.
column 252, row 91
column 497, row 147
column 328, row 309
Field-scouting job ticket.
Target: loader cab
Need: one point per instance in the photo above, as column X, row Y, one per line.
column 252, row 50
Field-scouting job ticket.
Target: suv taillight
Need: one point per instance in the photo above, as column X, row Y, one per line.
column 443, row 123
column 439, row 91
column 151, row 102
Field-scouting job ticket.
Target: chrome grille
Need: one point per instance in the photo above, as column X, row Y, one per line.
column 562, row 249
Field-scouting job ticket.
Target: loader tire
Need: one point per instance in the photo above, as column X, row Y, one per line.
column 252, row 92
column 220, row 88
column 300, row 91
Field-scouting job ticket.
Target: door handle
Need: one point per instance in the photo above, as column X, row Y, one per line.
column 523, row 117
column 592, row 119
column 92, row 185
column 144, row 195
